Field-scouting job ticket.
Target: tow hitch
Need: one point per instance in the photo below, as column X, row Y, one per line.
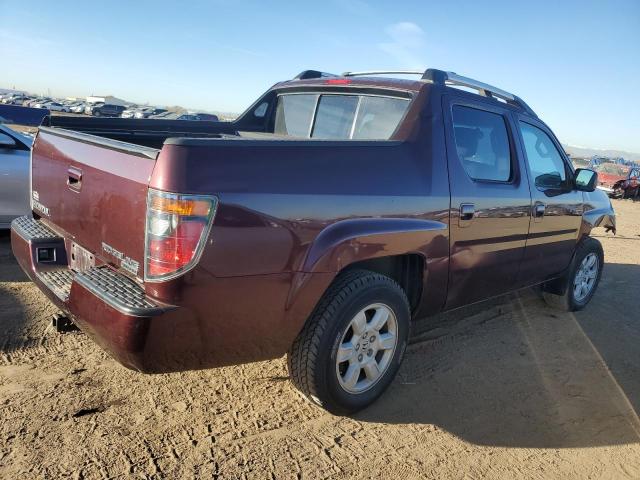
column 63, row 324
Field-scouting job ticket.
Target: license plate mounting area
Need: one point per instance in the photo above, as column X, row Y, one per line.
column 81, row 258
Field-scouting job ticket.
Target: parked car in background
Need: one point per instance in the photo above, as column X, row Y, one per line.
column 15, row 100
column 104, row 110
column 79, row 107
column 610, row 177
column 71, row 105
column 148, row 112
column 186, row 116
column 56, row 107
column 129, row 112
column 15, row 149
column 41, row 102
column 624, row 183
column 165, row 115
column 206, row 117
column 32, row 102
column 320, row 224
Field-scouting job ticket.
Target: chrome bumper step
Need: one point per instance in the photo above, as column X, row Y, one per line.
column 114, row 288
column 59, row 281
column 31, row 229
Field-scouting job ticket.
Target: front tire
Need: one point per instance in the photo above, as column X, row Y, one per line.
column 351, row 347
column 582, row 278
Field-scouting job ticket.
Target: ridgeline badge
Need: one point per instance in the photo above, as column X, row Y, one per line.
column 125, row 262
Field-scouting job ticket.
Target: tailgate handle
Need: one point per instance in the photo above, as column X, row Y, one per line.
column 74, row 178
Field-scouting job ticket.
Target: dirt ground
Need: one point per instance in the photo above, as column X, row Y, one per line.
column 507, row 389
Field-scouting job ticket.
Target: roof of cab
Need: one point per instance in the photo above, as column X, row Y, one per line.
column 433, row 76
column 380, row 82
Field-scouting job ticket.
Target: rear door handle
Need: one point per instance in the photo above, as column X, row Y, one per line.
column 74, row 178
column 467, row 211
column 538, row 211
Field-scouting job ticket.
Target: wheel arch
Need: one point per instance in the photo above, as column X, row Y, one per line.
column 559, row 285
column 413, row 252
column 598, row 212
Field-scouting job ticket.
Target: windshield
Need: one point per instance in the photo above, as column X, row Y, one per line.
column 339, row 117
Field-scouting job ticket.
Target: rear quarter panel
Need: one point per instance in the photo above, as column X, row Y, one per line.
column 313, row 207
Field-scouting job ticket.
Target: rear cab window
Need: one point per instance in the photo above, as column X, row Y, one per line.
column 335, row 116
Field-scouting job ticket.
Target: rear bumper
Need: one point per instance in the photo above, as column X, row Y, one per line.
column 111, row 308
column 214, row 321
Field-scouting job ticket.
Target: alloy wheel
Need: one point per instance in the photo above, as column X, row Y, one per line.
column 366, row 348
column 585, row 277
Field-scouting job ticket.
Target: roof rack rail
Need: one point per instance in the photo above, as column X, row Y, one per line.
column 383, row 72
column 450, row 78
column 308, row 74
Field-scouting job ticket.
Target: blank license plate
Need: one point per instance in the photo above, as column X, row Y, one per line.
column 81, row 259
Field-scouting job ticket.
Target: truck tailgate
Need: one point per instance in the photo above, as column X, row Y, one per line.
column 94, row 191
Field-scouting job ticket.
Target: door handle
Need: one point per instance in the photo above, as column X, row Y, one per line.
column 467, row 211
column 538, row 211
column 74, row 178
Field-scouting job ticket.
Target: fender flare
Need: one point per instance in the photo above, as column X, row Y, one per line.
column 352, row 240
column 598, row 217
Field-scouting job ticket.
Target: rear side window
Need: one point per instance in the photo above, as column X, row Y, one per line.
column 546, row 164
column 294, row 115
column 339, row 117
column 378, row 117
column 482, row 143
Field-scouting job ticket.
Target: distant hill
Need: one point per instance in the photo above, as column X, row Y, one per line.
column 590, row 152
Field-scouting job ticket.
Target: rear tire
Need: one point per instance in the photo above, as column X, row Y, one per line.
column 582, row 278
column 351, row 347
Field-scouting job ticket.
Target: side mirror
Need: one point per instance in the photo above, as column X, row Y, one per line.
column 585, row 180
column 6, row 141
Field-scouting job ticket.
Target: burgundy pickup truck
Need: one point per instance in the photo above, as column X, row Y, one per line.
column 320, row 223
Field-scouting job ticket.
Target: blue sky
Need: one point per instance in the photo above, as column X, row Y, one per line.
column 576, row 63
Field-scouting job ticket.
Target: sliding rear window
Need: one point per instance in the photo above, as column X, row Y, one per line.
column 338, row 116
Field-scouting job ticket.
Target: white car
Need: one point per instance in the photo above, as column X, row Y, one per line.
column 15, row 149
column 78, row 108
column 41, row 103
column 129, row 112
column 56, row 107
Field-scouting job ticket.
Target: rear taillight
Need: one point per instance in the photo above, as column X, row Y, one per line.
column 177, row 228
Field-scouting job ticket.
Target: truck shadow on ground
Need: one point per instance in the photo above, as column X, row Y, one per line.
column 9, row 269
column 13, row 316
column 515, row 372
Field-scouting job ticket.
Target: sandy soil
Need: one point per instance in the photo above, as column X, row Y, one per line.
column 506, row 389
